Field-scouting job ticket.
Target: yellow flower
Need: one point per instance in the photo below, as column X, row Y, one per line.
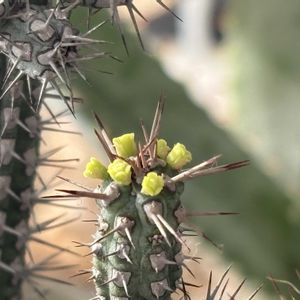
column 120, row 171
column 162, row 148
column 125, row 145
column 152, row 184
column 95, row 169
column 178, row 156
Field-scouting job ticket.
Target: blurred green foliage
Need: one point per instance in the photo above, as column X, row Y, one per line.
column 262, row 239
column 263, row 37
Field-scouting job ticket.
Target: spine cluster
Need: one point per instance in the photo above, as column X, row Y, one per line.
column 42, row 44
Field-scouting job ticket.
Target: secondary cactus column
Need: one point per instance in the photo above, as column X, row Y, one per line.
column 19, row 145
column 18, row 160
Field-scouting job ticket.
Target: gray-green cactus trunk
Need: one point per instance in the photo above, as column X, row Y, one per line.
column 19, row 154
column 19, row 144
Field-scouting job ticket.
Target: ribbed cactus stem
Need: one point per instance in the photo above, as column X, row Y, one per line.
column 140, row 259
column 142, row 224
column 19, row 154
column 19, row 145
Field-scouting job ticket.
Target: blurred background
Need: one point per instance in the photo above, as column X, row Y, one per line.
column 230, row 72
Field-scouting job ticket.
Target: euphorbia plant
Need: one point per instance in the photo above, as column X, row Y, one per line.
column 142, row 224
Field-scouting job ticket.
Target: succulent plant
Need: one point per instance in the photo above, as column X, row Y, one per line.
column 142, row 224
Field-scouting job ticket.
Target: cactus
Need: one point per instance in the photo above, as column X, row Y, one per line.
column 142, row 224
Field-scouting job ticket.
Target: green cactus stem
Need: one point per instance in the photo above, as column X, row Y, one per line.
column 137, row 249
column 18, row 159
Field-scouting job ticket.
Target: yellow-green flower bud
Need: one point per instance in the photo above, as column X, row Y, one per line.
column 95, row 169
column 125, row 145
column 178, row 156
column 152, row 184
column 162, row 148
column 120, row 171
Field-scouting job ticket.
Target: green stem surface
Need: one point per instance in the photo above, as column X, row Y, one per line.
column 17, row 174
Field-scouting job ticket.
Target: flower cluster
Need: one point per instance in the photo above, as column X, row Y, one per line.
column 121, row 170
